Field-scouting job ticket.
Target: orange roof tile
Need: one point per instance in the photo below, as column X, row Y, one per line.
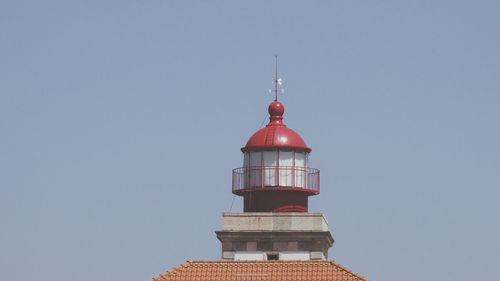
column 259, row 271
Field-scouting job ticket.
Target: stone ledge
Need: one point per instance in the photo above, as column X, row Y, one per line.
column 274, row 222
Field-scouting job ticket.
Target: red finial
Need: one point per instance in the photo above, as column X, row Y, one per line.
column 276, row 110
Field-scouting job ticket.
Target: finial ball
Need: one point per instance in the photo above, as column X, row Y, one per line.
column 276, row 108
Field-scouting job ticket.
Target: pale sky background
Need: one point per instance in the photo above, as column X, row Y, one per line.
column 120, row 122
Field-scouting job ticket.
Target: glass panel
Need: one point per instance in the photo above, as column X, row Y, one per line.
column 301, row 169
column 246, row 160
column 270, row 158
column 255, row 159
column 253, row 171
column 286, row 158
column 300, row 159
column 286, row 168
column 254, row 176
column 270, row 169
column 300, row 177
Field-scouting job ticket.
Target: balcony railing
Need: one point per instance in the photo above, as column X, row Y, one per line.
column 264, row 177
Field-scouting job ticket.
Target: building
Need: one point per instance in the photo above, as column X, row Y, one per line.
column 275, row 237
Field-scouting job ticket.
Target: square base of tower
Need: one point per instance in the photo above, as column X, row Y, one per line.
column 266, row 236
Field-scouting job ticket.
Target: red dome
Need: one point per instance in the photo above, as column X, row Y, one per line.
column 275, row 134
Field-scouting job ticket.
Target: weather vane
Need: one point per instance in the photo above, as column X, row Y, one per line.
column 277, row 81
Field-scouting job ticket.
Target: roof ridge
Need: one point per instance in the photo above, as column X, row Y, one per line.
column 348, row 270
column 259, row 261
column 196, row 265
column 250, row 261
column 174, row 270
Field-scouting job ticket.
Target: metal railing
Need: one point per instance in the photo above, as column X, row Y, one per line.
column 274, row 177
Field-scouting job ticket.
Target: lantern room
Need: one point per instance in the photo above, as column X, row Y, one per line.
column 276, row 176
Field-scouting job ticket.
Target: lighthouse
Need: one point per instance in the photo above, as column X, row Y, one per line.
column 274, row 237
column 275, row 176
column 275, row 181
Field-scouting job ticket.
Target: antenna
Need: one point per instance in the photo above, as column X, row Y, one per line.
column 277, row 81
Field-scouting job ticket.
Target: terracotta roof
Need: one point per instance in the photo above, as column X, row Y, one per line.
column 259, row 271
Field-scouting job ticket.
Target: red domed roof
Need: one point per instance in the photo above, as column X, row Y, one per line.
column 276, row 134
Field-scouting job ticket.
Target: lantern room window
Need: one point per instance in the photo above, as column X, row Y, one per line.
column 273, row 168
column 273, row 158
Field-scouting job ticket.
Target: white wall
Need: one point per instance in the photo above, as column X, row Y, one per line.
column 249, row 256
column 295, row 256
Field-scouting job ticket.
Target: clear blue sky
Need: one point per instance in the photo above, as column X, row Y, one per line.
column 120, row 122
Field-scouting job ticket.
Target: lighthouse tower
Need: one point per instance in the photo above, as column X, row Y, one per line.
column 275, row 182
column 275, row 176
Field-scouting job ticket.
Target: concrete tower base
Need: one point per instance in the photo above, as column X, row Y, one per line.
column 275, row 236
